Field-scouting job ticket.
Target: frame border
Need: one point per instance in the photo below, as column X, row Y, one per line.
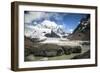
column 14, row 35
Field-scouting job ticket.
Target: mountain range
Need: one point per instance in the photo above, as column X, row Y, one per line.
column 82, row 31
column 45, row 29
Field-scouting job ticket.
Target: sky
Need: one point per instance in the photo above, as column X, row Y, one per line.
column 68, row 21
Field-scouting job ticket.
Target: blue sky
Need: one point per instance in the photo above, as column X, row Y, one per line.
column 68, row 20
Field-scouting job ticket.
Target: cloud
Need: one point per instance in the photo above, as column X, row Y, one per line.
column 35, row 16
column 49, row 24
column 30, row 16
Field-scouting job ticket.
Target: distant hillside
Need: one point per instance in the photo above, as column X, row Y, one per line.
column 82, row 31
column 27, row 42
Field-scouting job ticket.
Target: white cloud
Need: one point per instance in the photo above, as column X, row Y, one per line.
column 30, row 16
column 33, row 16
column 49, row 24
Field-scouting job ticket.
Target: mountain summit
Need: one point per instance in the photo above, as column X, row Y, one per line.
column 44, row 28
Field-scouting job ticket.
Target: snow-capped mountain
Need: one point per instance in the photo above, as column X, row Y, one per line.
column 46, row 27
column 82, row 32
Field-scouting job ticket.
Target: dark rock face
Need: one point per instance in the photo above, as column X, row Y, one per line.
column 83, row 56
column 38, row 52
column 28, row 42
column 52, row 34
column 35, row 39
column 82, row 31
column 76, row 49
column 50, row 53
column 48, row 34
column 60, row 51
column 51, row 50
column 67, row 50
column 72, row 49
column 85, row 43
column 47, row 50
column 44, row 53
column 27, row 51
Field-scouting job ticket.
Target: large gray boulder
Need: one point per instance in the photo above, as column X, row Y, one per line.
column 85, row 55
column 71, row 49
column 85, row 43
column 38, row 39
column 27, row 52
column 29, row 58
column 48, row 50
column 50, row 53
column 67, row 49
column 76, row 49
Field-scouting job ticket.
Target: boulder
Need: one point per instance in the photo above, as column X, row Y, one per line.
column 45, row 53
column 85, row 43
column 47, row 50
column 38, row 52
column 50, row 53
column 76, row 49
column 83, row 56
column 27, row 52
column 38, row 39
column 60, row 51
column 67, row 50
column 29, row 58
column 71, row 49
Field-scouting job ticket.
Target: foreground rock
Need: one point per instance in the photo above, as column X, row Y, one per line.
column 71, row 49
column 83, row 56
column 76, row 49
column 51, row 50
column 30, row 57
column 47, row 50
column 38, row 39
column 27, row 52
column 67, row 50
column 85, row 43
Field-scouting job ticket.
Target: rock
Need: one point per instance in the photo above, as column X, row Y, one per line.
column 47, row 50
column 48, row 34
column 45, row 53
column 52, row 34
column 30, row 57
column 39, row 53
column 76, row 49
column 38, row 39
column 83, row 56
column 71, row 49
column 27, row 52
column 50, row 53
column 27, row 42
column 60, row 51
column 67, row 49
column 44, row 59
column 85, row 43
column 82, row 31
